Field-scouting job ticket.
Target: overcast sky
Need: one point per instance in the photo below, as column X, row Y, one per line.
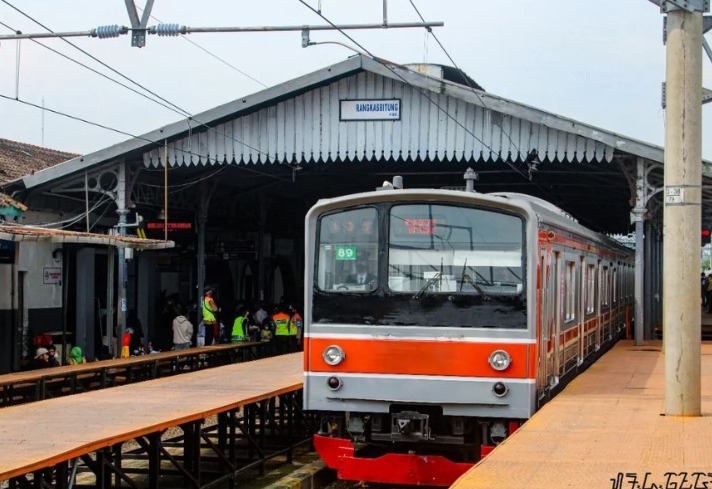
column 597, row 61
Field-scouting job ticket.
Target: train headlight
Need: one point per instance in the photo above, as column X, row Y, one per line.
column 500, row 360
column 333, row 355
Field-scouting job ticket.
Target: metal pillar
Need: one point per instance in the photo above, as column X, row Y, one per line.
column 682, row 212
column 639, row 212
column 202, row 219
column 261, row 252
column 122, row 276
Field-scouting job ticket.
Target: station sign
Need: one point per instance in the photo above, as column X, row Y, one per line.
column 370, row 110
column 176, row 230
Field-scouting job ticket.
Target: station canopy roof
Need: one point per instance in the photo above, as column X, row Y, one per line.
column 47, row 235
column 292, row 144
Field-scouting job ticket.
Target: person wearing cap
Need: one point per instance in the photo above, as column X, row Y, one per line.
column 41, row 359
column 210, row 308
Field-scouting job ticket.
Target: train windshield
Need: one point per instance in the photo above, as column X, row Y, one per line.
column 348, row 244
column 420, row 264
column 445, row 249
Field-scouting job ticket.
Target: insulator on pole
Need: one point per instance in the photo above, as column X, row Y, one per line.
column 167, row 29
column 107, row 31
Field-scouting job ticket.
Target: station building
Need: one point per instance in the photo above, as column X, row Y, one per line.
column 231, row 186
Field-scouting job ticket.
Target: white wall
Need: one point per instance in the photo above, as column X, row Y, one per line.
column 36, row 259
column 5, row 292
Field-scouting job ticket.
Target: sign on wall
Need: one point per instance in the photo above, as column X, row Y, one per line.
column 52, row 275
column 370, row 110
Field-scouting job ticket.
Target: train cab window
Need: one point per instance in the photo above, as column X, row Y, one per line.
column 590, row 289
column 444, row 249
column 348, row 251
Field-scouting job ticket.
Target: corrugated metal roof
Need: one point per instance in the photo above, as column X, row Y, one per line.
column 437, row 126
column 248, row 118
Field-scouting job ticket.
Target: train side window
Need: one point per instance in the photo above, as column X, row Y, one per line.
column 570, row 291
column 615, row 286
column 590, row 291
column 605, row 286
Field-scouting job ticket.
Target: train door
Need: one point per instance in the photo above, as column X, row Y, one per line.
column 583, row 299
column 599, row 304
column 559, row 303
column 549, row 321
column 544, row 314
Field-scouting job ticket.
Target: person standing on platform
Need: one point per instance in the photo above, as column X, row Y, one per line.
column 281, row 331
column 182, row 332
column 240, row 331
column 200, row 335
column 210, row 310
column 260, row 315
column 704, row 283
column 126, row 343
column 295, row 328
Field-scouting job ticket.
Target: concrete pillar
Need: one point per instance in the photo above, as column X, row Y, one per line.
column 682, row 214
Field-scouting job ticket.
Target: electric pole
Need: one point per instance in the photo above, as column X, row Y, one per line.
column 682, row 215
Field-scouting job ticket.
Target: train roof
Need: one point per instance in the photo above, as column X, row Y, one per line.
column 545, row 211
column 551, row 214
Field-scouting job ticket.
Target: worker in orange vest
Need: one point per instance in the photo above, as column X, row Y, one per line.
column 280, row 319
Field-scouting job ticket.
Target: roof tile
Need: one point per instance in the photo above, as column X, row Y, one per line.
column 19, row 159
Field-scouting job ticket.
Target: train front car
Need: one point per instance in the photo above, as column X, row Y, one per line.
column 420, row 356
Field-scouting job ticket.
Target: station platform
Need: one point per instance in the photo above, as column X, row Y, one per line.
column 607, row 429
column 50, row 434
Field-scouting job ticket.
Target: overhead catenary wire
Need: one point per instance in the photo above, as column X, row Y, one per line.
column 423, row 92
column 182, row 112
column 141, row 138
column 209, row 53
column 457, row 67
column 69, row 58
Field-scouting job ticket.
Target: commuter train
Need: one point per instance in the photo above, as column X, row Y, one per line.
column 438, row 321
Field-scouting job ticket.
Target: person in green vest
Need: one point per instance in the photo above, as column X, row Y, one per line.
column 240, row 325
column 209, row 312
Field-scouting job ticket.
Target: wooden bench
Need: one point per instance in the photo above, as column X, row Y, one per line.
column 34, row 385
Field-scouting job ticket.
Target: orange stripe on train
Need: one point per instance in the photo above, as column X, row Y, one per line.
column 408, row 357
